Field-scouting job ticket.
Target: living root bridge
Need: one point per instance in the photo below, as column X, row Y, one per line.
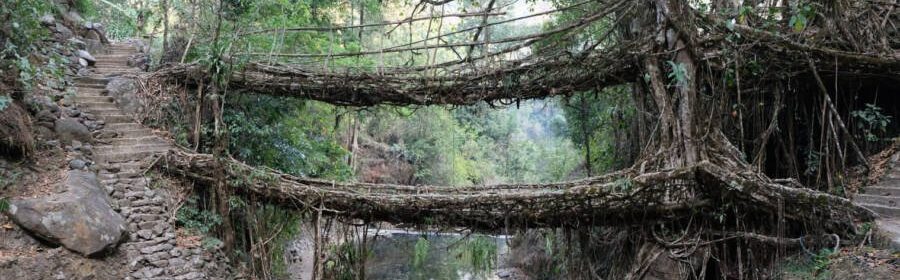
column 513, row 81
column 616, row 199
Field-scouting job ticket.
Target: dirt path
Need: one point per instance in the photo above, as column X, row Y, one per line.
column 884, row 199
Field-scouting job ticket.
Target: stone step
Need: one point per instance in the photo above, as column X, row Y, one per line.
column 114, row 55
column 890, row 179
column 877, row 199
column 127, row 147
column 126, row 156
column 124, row 126
column 91, row 94
column 884, row 211
column 105, row 64
column 881, row 190
column 90, row 81
column 96, row 106
column 114, row 119
column 89, row 86
column 143, row 140
column 102, row 112
column 93, row 99
column 131, row 133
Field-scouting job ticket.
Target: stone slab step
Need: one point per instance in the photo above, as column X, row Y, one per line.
column 882, row 190
column 113, row 119
column 884, row 211
column 104, row 112
column 131, row 133
column 102, row 105
column 115, row 55
column 80, row 86
column 882, row 200
column 143, row 140
column 93, row 99
column 128, row 147
column 110, row 64
column 124, row 126
column 91, row 89
column 126, row 156
column 90, row 80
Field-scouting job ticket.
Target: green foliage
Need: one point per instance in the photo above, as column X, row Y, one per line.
column 273, row 227
column 210, row 243
column 872, row 121
column 477, row 144
column 21, row 21
column 812, row 267
column 345, row 261
column 800, row 20
column 596, row 121
column 478, row 252
column 4, row 204
column 86, row 8
column 4, row 101
column 194, row 218
column 420, row 253
column 678, row 73
column 290, row 135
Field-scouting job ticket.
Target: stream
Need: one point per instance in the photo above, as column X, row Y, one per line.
column 413, row 255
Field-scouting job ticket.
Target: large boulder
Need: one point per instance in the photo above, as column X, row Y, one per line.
column 79, row 219
column 70, row 129
column 124, row 91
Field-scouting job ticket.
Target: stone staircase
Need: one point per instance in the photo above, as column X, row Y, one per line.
column 884, row 198
column 121, row 153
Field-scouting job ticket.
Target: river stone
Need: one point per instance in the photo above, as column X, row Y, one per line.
column 70, row 129
column 79, row 219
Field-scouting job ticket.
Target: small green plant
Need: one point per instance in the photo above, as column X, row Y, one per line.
column 193, row 218
column 211, row 243
column 480, row 253
column 4, row 101
column 420, row 252
column 4, row 204
column 623, row 184
column 814, row 266
column 872, row 121
column 800, row 20
column 678, row 73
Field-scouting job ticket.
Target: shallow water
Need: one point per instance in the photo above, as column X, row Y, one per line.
column 394, row 257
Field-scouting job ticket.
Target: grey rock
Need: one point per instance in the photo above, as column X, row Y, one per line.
column 53, row 143
column 80, row 219
column 70, row 129
column 74, row 112
column 77, row 164
column 76, row 145
column 86, row 56
column 124, row 91
column 83, row 63
column 48, row 20
column 62, row 32
column 46, row 116
column 77, row 43
column 73, row 17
